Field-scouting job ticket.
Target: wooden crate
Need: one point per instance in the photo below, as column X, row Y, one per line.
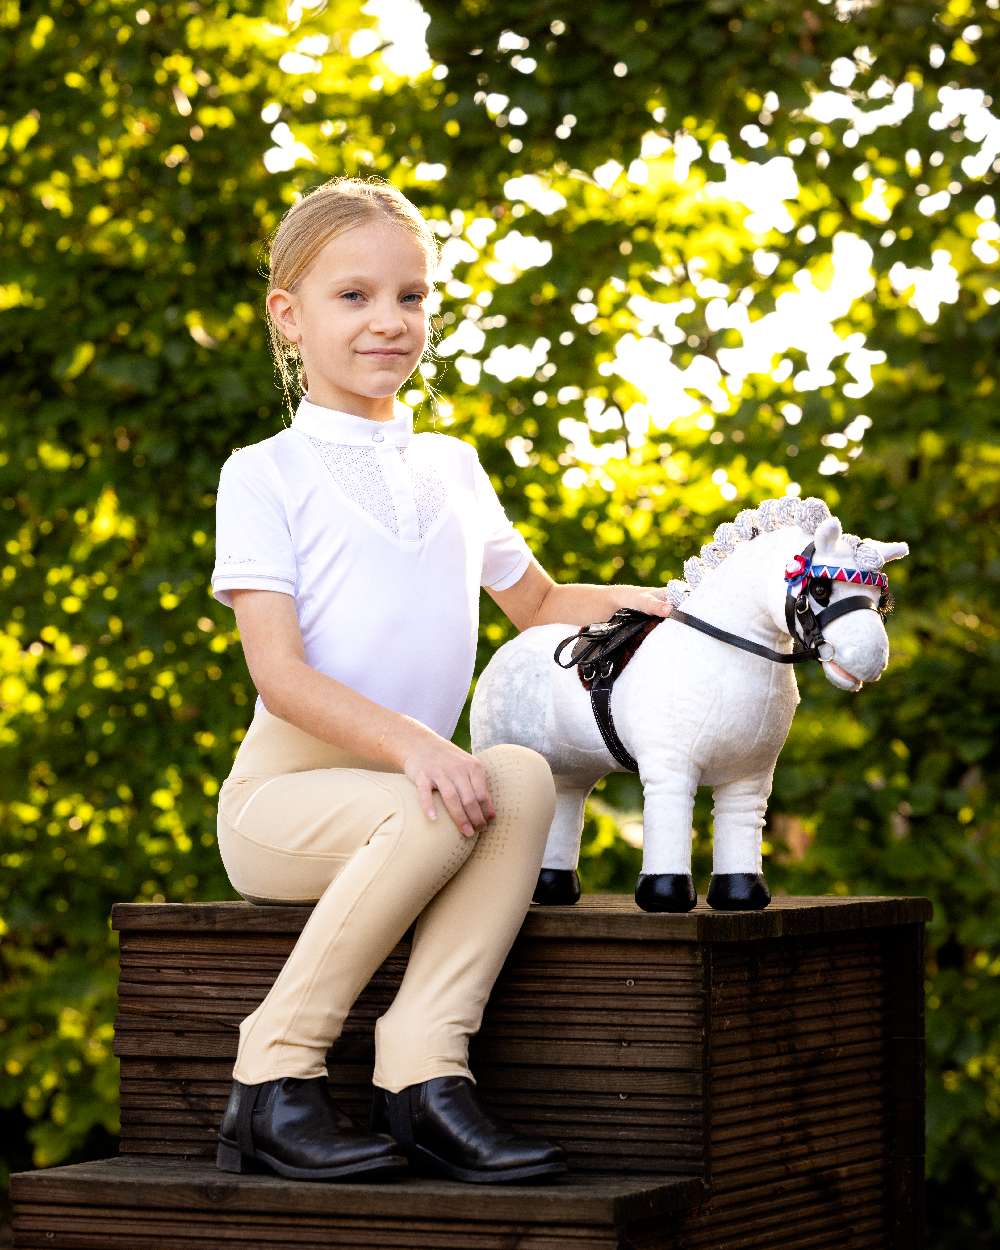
column 770, row 1061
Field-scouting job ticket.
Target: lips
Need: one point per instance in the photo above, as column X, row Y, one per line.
column 856, row 682
column 384, row 353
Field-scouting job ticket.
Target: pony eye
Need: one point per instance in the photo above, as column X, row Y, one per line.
column 821, row 589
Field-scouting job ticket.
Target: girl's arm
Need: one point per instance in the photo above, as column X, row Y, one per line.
column 535, row 599
column 334, row 712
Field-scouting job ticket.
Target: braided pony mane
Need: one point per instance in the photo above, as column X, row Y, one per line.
column 769, row 515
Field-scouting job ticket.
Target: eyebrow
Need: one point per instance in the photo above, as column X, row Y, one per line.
column 359, row 281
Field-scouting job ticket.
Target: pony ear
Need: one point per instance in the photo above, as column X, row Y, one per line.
column 888, row 551
column 827, row 533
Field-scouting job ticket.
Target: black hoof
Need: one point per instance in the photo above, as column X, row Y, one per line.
column 665, row 891
column 738, row 891
column 558, row 886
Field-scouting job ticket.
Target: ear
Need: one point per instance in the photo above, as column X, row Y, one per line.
column 827, row 534
column 888, row 551
column 281, row 305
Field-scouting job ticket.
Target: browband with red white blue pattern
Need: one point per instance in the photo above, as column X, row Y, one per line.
column 799, row 567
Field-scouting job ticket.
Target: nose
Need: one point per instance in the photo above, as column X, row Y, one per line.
column 387, row 319
column 860, row 644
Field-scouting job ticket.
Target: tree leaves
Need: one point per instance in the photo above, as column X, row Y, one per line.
column 147, row 157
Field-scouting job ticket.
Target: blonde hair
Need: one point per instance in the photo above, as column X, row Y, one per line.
column 321, row 214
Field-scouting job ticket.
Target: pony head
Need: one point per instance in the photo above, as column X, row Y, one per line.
column 843, row 566
column 839, row 566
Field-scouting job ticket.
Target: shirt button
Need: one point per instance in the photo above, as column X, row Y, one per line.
column 378, row 437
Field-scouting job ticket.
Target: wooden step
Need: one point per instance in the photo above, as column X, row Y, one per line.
column 134, row 1201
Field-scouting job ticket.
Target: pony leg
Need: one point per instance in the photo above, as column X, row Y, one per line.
column 668, row 806
column 665, row 882
column 737, row 881
column 562, row 850
column 738, row 813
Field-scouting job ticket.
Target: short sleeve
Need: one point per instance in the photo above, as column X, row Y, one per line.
column 506, row 554
column 253, row 545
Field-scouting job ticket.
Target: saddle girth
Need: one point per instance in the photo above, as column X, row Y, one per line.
column 600, row 653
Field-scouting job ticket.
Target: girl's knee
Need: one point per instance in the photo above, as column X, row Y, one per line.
column 521, row 768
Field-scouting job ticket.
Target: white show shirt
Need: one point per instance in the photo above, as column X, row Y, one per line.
column 383, row 537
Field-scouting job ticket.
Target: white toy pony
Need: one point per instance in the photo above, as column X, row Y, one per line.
column 706, row 699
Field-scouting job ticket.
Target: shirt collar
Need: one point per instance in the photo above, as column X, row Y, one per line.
column 346, row 427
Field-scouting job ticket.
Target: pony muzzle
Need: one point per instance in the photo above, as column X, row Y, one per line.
column 840, row 677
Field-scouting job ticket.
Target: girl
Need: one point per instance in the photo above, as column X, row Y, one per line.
column 352, row 552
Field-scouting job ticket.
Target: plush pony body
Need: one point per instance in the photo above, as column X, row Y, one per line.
column 691, row 709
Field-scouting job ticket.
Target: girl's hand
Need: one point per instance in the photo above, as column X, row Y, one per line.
column 432, row 764
column 644, row 599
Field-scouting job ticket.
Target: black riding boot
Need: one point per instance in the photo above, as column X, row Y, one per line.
column 445, row 1131
column 293, row 1127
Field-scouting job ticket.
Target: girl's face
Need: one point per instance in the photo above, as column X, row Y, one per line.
column 358, row 317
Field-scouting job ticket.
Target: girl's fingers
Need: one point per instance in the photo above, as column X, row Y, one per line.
column 470, row 801
column 482, row 793
column 453, row 802
column 426, row 795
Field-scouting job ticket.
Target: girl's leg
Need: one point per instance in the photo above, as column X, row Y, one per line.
column 466, row 931
column 358, row 842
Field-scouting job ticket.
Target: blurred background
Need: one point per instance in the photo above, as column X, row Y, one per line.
column 694, row 255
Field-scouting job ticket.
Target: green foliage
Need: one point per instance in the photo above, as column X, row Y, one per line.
column 147, row 155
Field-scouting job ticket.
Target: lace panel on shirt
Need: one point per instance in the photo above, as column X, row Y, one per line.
column 358, row 473
column 428, row 490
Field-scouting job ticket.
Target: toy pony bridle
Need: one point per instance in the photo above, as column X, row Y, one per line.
column 815, row 581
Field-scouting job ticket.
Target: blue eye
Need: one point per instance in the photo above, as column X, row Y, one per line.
column 417, row 295
column 348, row 294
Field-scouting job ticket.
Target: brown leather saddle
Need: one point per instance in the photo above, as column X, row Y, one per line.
column 600, row 653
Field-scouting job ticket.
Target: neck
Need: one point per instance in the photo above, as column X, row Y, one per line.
column 745, row 594
column 377, row 409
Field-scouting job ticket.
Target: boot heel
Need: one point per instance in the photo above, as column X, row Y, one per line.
column 230, row 1159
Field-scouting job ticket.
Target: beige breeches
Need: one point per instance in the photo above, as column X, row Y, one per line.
column 301, row 821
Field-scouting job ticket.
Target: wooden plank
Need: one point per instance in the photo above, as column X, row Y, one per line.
column 624, row 1027
column 144, row 1181
column 660, row 1081
column 132, row 1229
column 641, row 1024
column 599, row 916
column 557, row 1053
